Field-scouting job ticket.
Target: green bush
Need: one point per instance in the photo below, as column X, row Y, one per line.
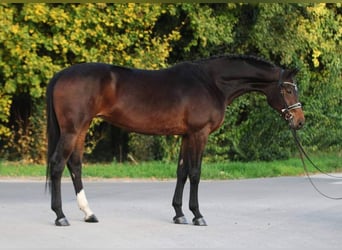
column 39, row 39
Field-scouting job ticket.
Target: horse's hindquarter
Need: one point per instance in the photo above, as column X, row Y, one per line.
column 77, row 94
column 160, row 102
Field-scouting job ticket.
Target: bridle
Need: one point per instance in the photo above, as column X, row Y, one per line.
column 286, row 110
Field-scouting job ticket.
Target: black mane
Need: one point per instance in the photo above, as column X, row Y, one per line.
column 249, row 58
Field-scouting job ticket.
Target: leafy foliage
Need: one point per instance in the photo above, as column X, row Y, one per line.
column 306, row 36
column 38, row 39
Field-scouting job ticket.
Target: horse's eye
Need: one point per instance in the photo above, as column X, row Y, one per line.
column 289, row 91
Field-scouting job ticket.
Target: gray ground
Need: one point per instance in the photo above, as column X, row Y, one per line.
column 254, row 214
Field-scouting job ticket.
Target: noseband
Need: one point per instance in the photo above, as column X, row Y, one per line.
column 286, row 110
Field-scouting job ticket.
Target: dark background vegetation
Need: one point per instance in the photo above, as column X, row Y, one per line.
column 37, row 40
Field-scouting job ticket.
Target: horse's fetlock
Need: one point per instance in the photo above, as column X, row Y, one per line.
column 193, row 208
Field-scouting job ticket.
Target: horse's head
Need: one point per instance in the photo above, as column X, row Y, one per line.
column 284, row 98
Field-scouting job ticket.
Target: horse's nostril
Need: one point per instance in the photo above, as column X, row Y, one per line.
column 300, row 124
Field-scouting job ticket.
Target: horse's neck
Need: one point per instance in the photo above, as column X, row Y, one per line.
column 235, row 79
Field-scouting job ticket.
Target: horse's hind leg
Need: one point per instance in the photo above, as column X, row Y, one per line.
column 57, row 163
column 75, row 168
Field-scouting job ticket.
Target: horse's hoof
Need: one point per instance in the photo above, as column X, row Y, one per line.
column 180, row 220
column 92, row 219
column 199, row 222
column 62, row 222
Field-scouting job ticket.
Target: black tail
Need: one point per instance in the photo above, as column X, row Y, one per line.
column 53, row 132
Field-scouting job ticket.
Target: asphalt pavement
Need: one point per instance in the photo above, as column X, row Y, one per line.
column 267, row 213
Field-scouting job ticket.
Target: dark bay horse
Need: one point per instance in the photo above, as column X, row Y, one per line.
column 188, row 99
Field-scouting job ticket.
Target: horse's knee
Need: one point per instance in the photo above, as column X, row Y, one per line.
column 194, row 176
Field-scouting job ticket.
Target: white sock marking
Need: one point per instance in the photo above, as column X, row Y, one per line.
column 83, row 204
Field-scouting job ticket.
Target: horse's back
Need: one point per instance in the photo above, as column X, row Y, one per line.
column 169, row 101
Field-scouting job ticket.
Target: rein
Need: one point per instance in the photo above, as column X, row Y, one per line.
column 301, row 153
column 289, row 117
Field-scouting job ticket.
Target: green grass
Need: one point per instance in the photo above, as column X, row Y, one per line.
column 162, row 170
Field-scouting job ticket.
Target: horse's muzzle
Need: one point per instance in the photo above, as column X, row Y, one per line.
column 298, row 125
column 296, row 119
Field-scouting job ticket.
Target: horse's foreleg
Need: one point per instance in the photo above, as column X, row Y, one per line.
column 195, row 174
column 196, row 147
column 182, row 175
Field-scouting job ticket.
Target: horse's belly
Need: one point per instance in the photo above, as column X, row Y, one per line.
column 148, row 123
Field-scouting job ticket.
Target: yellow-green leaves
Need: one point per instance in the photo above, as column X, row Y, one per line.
column 39, row 39
column 5, row 105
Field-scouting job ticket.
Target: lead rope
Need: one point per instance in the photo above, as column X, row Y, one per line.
column 301, row 153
